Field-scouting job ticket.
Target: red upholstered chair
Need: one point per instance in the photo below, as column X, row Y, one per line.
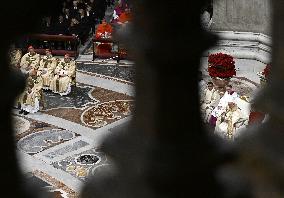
column 256, row 118
column 104, row 49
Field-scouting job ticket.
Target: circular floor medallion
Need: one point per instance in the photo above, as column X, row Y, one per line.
column 87, row 159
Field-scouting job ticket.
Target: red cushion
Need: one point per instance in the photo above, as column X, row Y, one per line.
column 256, row 118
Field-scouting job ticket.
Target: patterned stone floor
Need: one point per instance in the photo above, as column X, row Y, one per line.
column 60, row 145
column 51, row 186
column 115, row 71
column 93, row 107
column 82, row 165
column 78, row 98
column 89, row 49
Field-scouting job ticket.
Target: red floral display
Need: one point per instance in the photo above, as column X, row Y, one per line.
column 266, row 71
column 221, row 65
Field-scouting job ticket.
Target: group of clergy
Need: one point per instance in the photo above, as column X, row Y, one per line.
column 228, row 115
column 43, row 72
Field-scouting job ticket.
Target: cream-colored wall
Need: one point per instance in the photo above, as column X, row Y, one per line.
column 242, row 16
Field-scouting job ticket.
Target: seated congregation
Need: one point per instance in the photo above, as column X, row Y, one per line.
column 42, row 73
column 80, row 18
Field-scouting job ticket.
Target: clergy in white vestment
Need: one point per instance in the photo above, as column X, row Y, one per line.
column 209, row 100
column 63, row 74
column 30, row 98
column 47, row 66
column 223, row 103
column 29, row 61
column 232, row 121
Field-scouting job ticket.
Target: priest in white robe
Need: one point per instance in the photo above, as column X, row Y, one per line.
column 232, row 121
column 30, row 61
column 46, row 67
column 63, row 75
column 209, row 100
column 223, row 103
column 31, row 97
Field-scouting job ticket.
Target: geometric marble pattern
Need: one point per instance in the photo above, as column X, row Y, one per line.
column 107, row 107
column 66, row 149
column 51, row 191
column 78, row 98
column 82, row 165
column 100, row 114
column 60, row 159
column 91, row 111
column 42, row 140
column 25, row 126
column 52, row 186
column 119, row 72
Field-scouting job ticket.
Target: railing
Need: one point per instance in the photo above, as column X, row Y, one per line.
column 59, row 44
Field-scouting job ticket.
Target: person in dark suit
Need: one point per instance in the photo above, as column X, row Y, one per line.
column 100, row 8
column 74, row 9
column 68, row 3
column 66, row 15
column 61, row 26
column 91, row 3
column 81, row 4
column 46, row 26
column 92, row 17
column 74, row 28
column 84, row 26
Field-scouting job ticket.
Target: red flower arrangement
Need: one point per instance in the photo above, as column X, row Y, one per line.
column 266, row 71
column 221, row 65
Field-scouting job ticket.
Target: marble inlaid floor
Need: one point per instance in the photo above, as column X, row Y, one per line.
column 59, row 146
column 51, row 186
column 125, row 72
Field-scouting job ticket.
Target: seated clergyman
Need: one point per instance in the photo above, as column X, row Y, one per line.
column 63, row 75
column 104, row 30
column 46, row 67
column 231, row 121
column 223, row 102
column 30, row 98
column 30, row 60
column 125, row 17
column 209, row 100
